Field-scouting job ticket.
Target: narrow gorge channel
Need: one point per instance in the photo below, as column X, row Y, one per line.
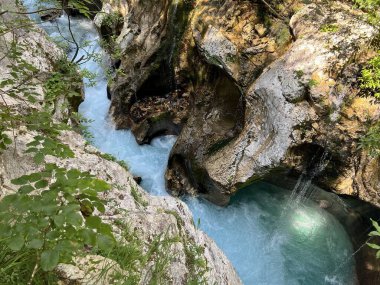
column 267, row 242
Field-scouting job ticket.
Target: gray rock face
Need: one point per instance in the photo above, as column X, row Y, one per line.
column 294, row 92
column 288, row 89
column 143, row 92
column 217, row 49
column 141, row 37
column 222, row 65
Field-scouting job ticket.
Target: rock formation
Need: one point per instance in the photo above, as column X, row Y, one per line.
column 146, row 46
column 262, row 95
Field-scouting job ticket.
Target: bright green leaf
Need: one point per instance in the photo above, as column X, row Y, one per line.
column 20, row 181
column 39, row 157
column 372, row 245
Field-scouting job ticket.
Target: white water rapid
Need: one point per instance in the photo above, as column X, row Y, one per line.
column 304, row 246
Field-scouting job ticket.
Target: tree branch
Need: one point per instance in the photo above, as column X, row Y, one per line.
column 29, row 13
column 272, row 10
column 75, row 42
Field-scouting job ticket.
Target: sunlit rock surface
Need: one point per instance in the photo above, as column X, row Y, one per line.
column 249, row 94
column 305, row 100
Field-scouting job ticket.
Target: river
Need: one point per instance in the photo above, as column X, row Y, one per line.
column 268, row 243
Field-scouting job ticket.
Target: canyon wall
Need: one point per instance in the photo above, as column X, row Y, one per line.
column 258, row 93
column 148, row 217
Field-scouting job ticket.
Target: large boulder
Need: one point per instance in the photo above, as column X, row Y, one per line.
column 303, row 103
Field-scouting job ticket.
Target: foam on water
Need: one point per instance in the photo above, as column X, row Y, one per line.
column 148, row 161
column 304, row 246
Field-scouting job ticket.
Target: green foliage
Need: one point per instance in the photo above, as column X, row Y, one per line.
column 133, row 254
column 49, row 215
column 158, row 253
column 80, row 125
column 113, row 49
column 81, row 6
column 368, row 4
column 312, row 83
column 63, row 82
column 42, row 146
column 4, row 139
column 372, row 9
column 41, row 121
column 16, row 267
column 138, row 197
column 195, row 260
column 371, row 141
column 370, row 78
column 112, row 20
column 375, row 233
column 17, row 82
column 128, row 255
column 196, row 263
column 110, row 157
column 49, row 219
column 329, row 28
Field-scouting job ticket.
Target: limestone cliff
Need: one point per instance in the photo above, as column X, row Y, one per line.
column 264, row 91
column 296, row 105
column 145, row 49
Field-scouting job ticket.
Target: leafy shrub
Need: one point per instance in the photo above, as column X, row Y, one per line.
column 18, row 267
column 374, row 233
column 371, row 8
column 371, row 141
column 51, row 215
column 370, row 78
column 367, row 4
column 113, row 19
column 43, row 146
column 51, row 219
column 64, row 81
